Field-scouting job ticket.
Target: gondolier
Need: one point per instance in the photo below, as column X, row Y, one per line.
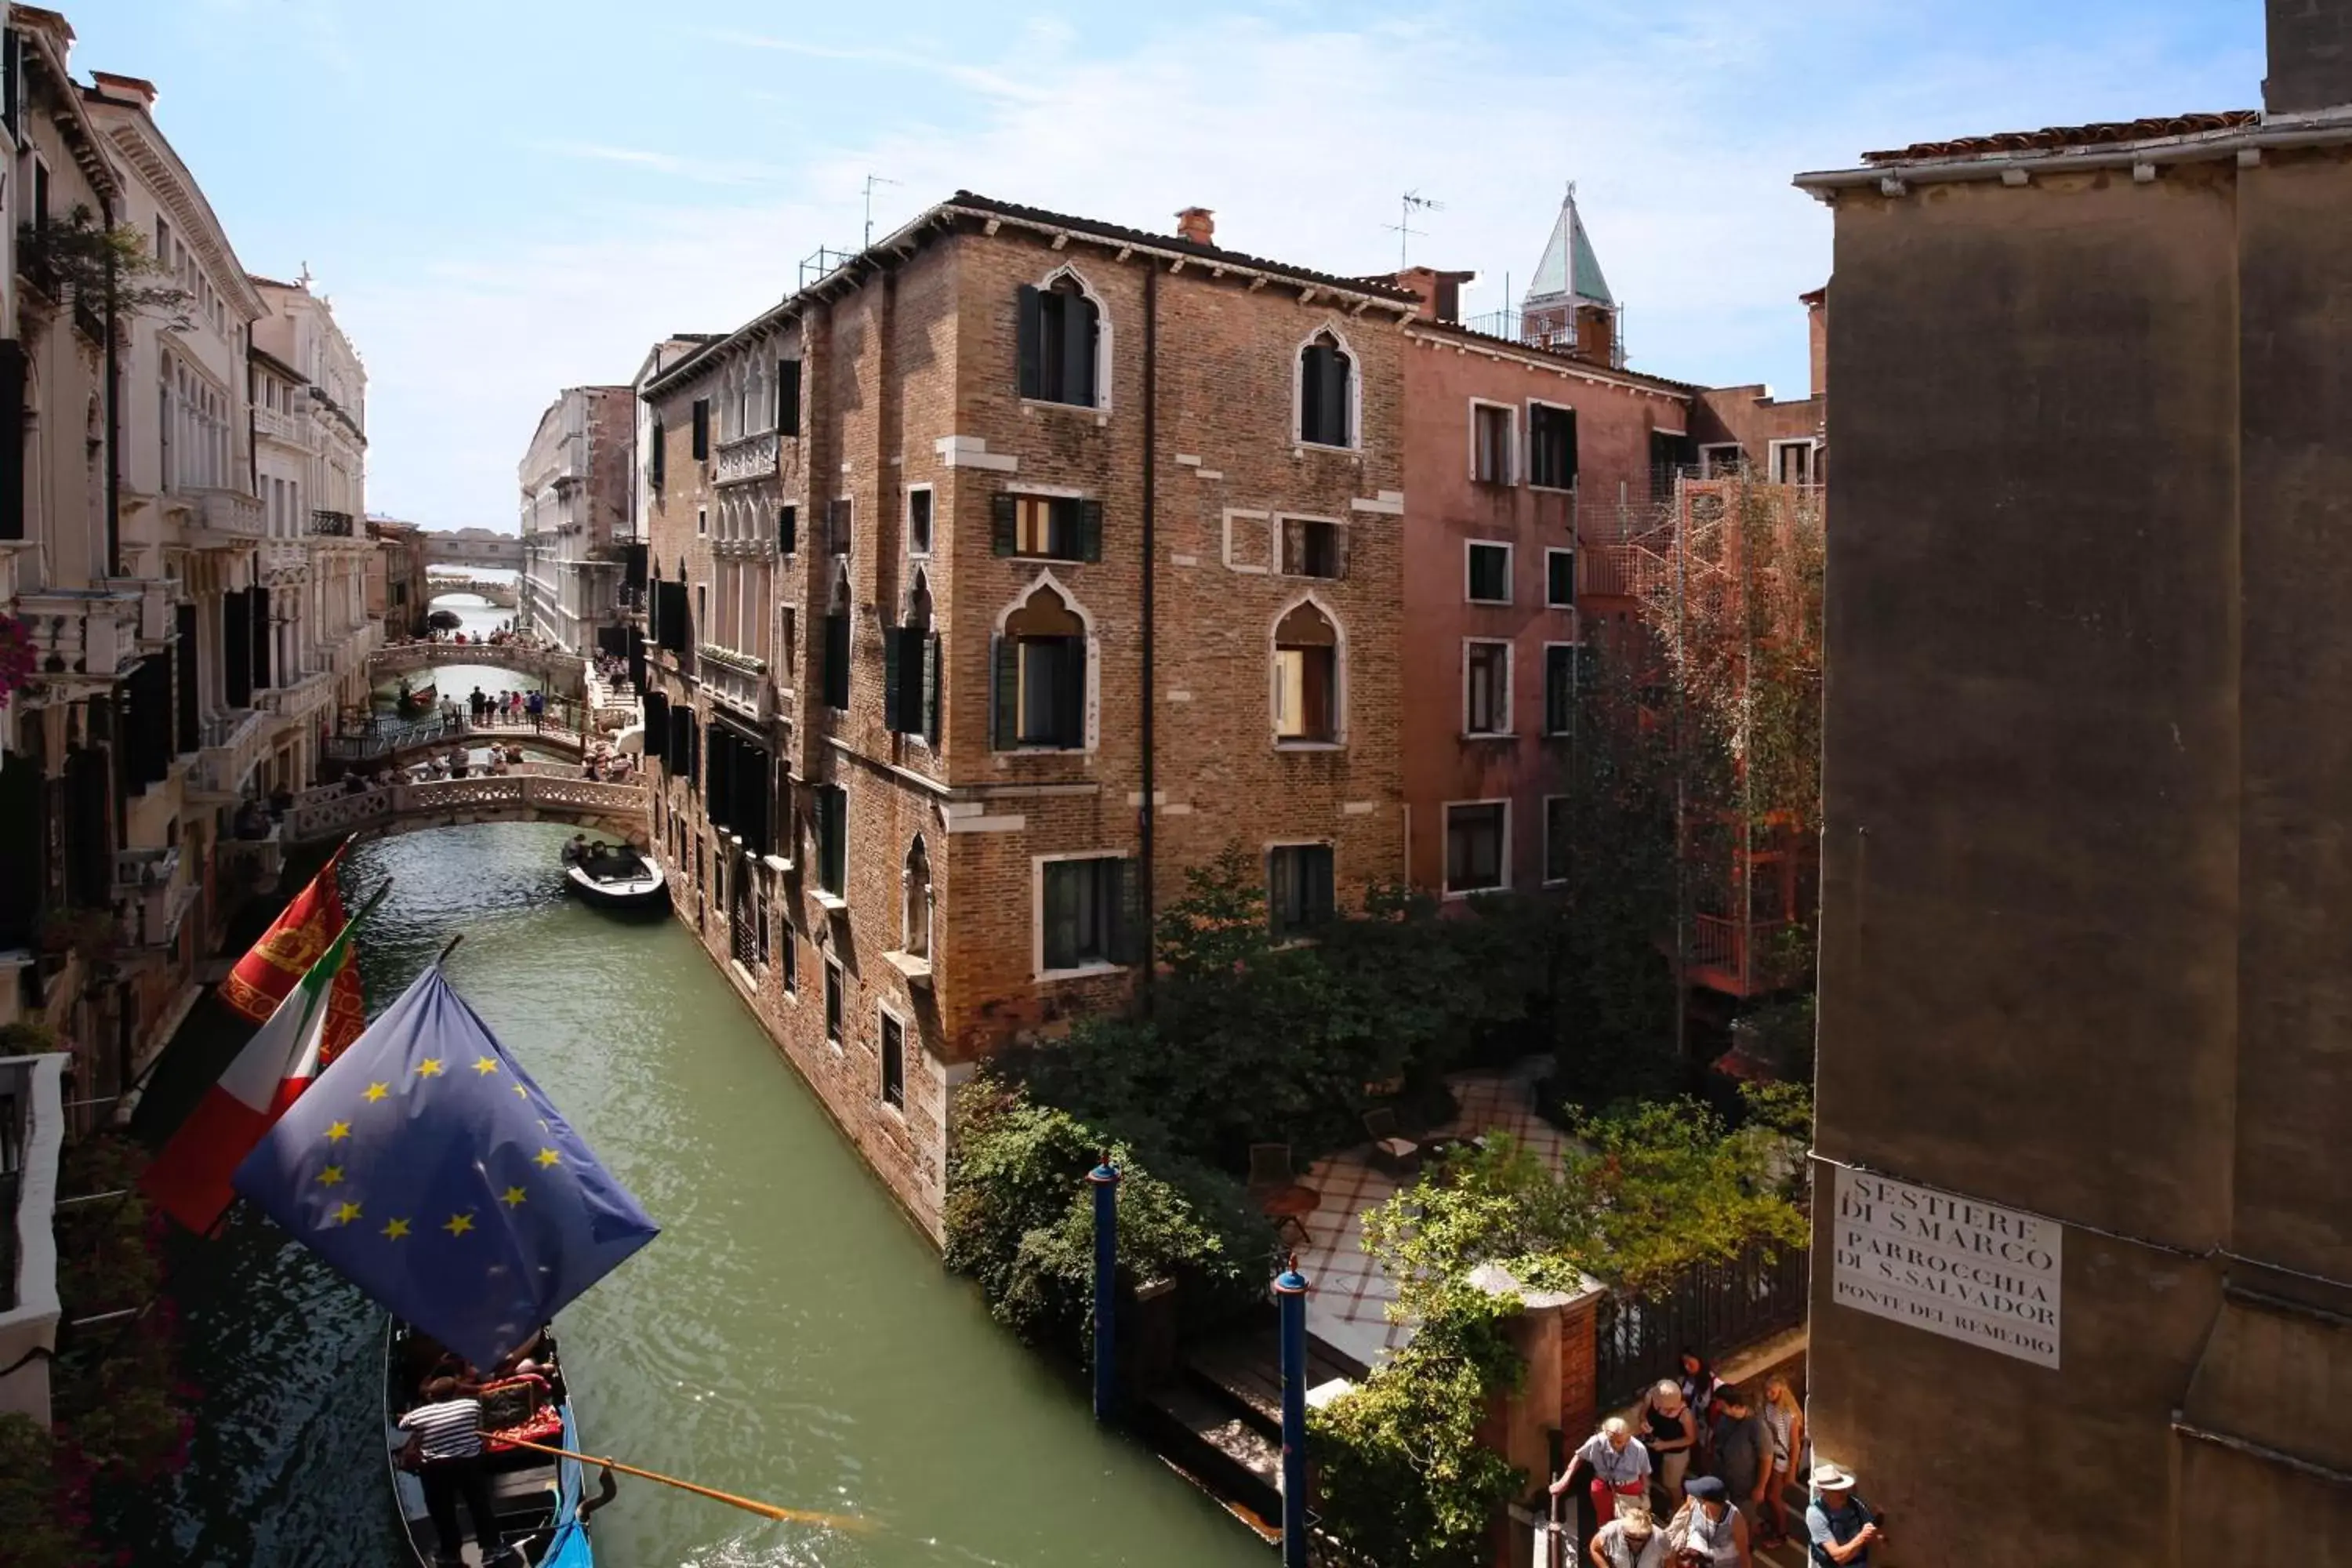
column 444, row 1446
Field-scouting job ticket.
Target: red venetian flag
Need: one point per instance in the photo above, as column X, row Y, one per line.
column 190, row 1178
column 268, row 975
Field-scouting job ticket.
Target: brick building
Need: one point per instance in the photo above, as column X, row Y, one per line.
column 1516, row 454
column 958, row 557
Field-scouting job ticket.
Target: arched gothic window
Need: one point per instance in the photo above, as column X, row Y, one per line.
column 1326, row 392
column 916, row 937
column 1306, row 676
column 1061, row 330
column 910, row 669
column 1039, row 686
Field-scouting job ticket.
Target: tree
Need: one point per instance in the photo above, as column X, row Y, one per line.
column 79, row 255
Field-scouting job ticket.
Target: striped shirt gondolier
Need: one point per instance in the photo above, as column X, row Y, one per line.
column 449, row 1430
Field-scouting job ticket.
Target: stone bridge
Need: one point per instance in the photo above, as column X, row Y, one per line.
column 616, row 809
column 563, row 674
column 471, row 547
column 501, row 595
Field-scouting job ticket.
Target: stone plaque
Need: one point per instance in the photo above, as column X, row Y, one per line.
column 1949, row 1264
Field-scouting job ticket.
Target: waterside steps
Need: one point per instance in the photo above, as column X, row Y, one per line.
column 1220, row 1419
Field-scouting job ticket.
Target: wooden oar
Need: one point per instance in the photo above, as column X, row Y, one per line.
column 792, row 1515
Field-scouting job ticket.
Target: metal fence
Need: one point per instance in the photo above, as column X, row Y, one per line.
column 1715, row 1308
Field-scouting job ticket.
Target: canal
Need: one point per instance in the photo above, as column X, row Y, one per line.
column 789, row 1336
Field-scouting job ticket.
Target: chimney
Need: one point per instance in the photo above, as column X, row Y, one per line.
column 1439, row 292
column 138, row 89
column 1596, row 333
column 1817, row 331
column 2311, row 56
column 1198, row 224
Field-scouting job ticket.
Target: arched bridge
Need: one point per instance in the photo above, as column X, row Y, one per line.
column 471, row 547
column 617, row 809
column 563, row 674
column 500, row 594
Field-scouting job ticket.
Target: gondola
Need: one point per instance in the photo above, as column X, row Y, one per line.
column 615, row 876
column 537, row 1496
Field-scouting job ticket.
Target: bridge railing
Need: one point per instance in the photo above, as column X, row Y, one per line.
column 312, row 819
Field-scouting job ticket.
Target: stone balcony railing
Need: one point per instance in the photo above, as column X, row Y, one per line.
column 8, row 573
column 300, row 699
column 736, row 679
column 232, row 512
column 280, row 427
column 746, row 457
column 235, row 743
column 149, row 896
column 83, row 637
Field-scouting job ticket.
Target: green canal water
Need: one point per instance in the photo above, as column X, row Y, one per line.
column 789, row 1336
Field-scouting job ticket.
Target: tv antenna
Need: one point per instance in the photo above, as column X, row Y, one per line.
column 872, row 181
column 1412, row 202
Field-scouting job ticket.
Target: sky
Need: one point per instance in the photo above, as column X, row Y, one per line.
column 506, row 197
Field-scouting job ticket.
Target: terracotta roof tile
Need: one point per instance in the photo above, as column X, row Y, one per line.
column 2057, row 136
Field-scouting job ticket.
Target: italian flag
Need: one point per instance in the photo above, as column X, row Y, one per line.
column 190, row 1178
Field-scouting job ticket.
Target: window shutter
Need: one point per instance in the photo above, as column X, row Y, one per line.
column 653, row 611
column 892, row 711
column 701, row 427
column 1090, row 531
column 1320, row 902
column 931, row 689
column 788, row 529
column 1004, row 522
column 753, row 785
column 1131, row 938
column 1033, row 342
column 837, row 838
column 191, row 729
column 261, row 638
column 693, row 752
column 658, row 461
column 788, row 397
column 1567, row 447
column 236, row 646
column 721, row 796
column 1310, row 391
column 1335, row 397
column 1280, row 865
column 836, row 661
column 1070, row 694
column 1004, row 693
column 1079, row 329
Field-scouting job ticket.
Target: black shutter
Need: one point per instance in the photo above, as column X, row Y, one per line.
column 1004, row 693
column 892, row 708
column 261, row 638
column 788, row 397
column 89, row 829
column 788, row 529
column 653, row 612
column 1131, row 936
column 719, row 798
column 702, row 427
column 930, row 699
column 832, row 839
column 1335, row 397
column 236, row 646
column 637, row 660
column 693, row 752
column 1568, row 446
column 191, row 725
column 1033, row 342
column 836, row 660
column 658, row 461
column 1070, row 694
column 1004, row 522
column 1310, row 391
column 12, row 429
column 656, row 737
column 1321, row 896
column 147, row 723
column 754, row 790
column 1090, row 531
column 1078, row 351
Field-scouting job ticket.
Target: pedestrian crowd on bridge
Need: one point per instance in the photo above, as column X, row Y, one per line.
column 1718, row 1459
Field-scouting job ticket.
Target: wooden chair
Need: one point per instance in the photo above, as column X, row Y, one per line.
column 1391, row 1151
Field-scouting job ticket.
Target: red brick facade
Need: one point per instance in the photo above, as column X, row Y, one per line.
column 910, row 383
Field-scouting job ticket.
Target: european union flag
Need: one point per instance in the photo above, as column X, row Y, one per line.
column 427, row 1166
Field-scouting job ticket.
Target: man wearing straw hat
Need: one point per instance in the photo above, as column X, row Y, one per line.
column 1842, row 1527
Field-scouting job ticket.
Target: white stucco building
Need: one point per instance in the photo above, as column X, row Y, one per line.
column 575, row 478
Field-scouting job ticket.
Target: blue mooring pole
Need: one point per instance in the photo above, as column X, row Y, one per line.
column 1105, row 1180
column 1290, row 1295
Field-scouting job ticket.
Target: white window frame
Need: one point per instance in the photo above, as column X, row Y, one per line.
column 1038, row 973
column 883, row 1010
column 1338, row 741
column 701, row 523
column 1445, row 849
column 1575, row 420
column 1550, row 602
column 1546, row 677
column 1710, row 453
column 1355, row 442
column 1470, row 547
column 1103, row 359
column 1510, row 681
column 1511, row 466
column 1811, row 449
column 932, row 543
column 1543, row 872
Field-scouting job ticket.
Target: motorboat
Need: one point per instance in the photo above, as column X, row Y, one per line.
column 614, row 876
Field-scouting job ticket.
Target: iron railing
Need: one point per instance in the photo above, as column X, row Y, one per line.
column 1715, row 1308
column 331, row 524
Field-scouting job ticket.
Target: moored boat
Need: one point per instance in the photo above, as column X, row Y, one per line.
column 616, row 877
column 535, row 1496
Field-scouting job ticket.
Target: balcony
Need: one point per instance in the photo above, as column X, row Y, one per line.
column 231, row 513
column 747, row 458
column 244, row 866
column 235, row 744
column 300, row 699
column 736, row 679
column 331, row 525
column 1741, row 958
column 280, row 427
column 149, row 897
column 83, row 638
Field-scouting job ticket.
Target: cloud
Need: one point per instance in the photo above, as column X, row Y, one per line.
column 1682, row 124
